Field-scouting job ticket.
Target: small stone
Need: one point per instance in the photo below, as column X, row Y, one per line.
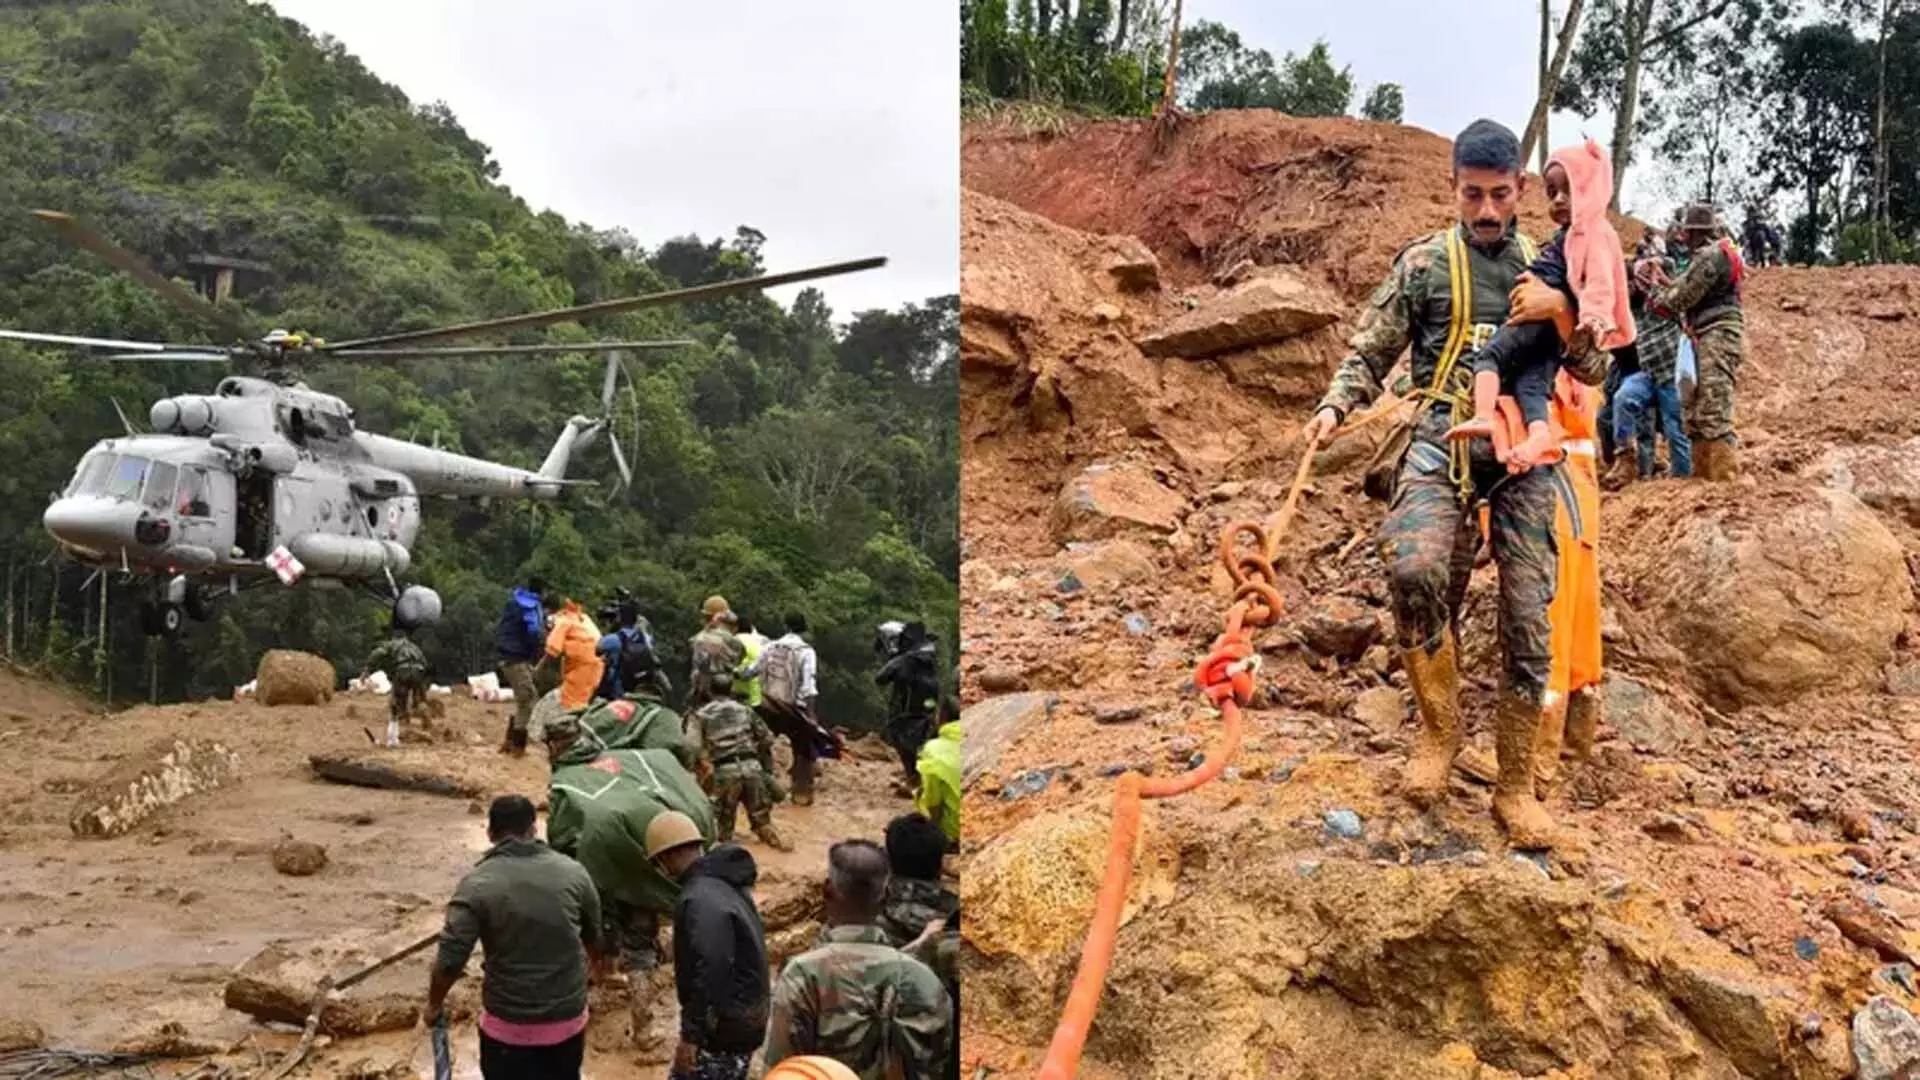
column 299, row 858
column 1031, row 782
column 1137, row 624
column 1886, row 1040
column 1473, row 859
column 1196, row 761
column 1810, row 1025
column 1856, row 824
column 1307, row 867
column 1672, row 828
column 476, row 808
column 1229, row 490
column 1002, row 681
column 1341, row 627
column 191, row 896
column 1105, row 312
column 1054, row 612
column 1344, row 824
column 20, row 1035
column 1070, row 583
column 1007, row 584
column 1378, row 660
column 1781, row 833
column 1536, row 860
column 1118, row 714
column 1806, row 948
column 1381, row 710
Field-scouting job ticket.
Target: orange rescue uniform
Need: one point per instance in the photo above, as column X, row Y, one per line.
column 575, row 641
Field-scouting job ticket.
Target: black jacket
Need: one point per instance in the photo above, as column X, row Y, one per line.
column 720, row 955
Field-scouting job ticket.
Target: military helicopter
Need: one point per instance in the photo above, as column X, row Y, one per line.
column 266, row 479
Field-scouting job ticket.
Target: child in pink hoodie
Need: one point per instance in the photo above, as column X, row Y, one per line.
column 1584, row 261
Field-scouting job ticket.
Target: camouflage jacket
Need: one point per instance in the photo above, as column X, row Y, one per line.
column 912, row 904
column 724, row 731
column 1414, row 307
column 1705, row 294
column 715, row 650
column 864, row 1003
column 400, row 658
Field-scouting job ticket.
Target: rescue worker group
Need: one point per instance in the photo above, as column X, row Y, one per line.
column 1522, row 359
column 642, row 808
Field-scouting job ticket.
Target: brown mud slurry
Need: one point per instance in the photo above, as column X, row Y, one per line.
column 108, row 940
column 1758, row 775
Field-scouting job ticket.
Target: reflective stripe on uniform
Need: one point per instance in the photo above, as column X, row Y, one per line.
column 1583, row 447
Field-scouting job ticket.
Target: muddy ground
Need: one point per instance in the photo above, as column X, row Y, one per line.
column 109, row 940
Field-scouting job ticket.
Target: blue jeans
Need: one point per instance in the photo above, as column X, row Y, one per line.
column 1637, row 392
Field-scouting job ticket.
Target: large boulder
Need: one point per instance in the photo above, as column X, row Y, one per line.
column 1886, row 478
column 287, row 677
column 168, row 771
column 1775, row 591
column 1265, row 310
column 1107, row 500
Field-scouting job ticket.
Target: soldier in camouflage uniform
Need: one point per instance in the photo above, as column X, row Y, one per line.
column 734, row 748
column 715, row 649
column 1707, row 297
column 406, row 668
column 920, row 915
column 1429, row 538
column 854, row 997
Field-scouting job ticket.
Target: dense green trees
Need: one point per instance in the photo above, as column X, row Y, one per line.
column 781, row 461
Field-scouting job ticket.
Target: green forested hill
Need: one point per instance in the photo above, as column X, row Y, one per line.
column 786, row 462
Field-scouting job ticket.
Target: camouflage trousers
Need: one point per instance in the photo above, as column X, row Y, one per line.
column 711, row 1066
column 1717, row 352
column 409, row 693
column 1430, row 538
column 734, row 783
column 518, row 674
column 631, row 934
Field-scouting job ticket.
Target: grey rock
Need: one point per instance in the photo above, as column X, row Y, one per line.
column 1344, row 824
column 1886, row 1040
column 990, row 726
column 1645, row 718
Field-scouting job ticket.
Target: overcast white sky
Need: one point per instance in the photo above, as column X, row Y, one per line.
column 1459, row 61
column 833, row 128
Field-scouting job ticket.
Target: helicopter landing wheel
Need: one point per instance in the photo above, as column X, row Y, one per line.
column 162, row 619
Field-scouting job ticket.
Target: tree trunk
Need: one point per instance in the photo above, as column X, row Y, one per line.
column 1546, row 33
column 1562, row 52
column 1120, row 33
column 1878, row 197
column 1173, row 61
column 9, row 607
column 1639, row 18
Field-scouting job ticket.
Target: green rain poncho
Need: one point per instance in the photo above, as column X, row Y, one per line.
column 939, row 768
column 599, row 805
column 637, row 723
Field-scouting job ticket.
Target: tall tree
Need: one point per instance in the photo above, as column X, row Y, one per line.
column 1819, row 122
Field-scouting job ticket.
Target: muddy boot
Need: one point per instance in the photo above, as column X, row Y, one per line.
column 1436, row 690
column 516, row 741
column 1625, row 470
column 802, row 777
column 1729, row 455
column 1546, row 751
column 1516, row 731
column 1715, row 460
column 1583, row 720
column 771, row 837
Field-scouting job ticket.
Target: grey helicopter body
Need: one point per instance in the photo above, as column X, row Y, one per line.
column 266, row 479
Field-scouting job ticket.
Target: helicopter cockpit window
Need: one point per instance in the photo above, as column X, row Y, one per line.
column 192, row 500
column 129, row 473
column 158, row 493
column 91, row 477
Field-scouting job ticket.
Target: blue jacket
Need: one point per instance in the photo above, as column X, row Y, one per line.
column 523, row 628
column 611, row 684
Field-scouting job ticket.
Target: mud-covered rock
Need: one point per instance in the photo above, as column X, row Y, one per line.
column 20, row 1035
column 299, row 858
column 279, row 983
column 990, row 726
column 1886, row 1041
column 1112, row 562
column 1108, row 500
column 1776, row 592
column 1267, row 309
column 1381, row 710
column 1749, row 1020
column 168, row 771
column 1341, row 627
column 1886, row 478
column 1131, row 264
column 1645, row 718
column 287, row 677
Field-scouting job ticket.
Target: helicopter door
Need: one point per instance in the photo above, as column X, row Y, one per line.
column 204, row 503
column 253, row 517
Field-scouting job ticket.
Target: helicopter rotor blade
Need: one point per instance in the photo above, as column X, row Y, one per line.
column 607, row 386
column 83, row 342
column 613, row 307
column 74, row 232
column 198, row 357
column 500, row 350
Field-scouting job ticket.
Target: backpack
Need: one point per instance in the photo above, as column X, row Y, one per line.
column 780, row 673
column 636, row 658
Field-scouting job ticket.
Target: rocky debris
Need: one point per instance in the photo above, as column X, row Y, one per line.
column 1749, row 1020
column 278, row 984
column 1341, row 627
column 168, row 771
column 1777, row 591
column 1868, row 929
column 1002, row 681
column 170, row 1040
column 1114, row 562
column 1886, row 1041
column 1381, row 710
column 1904, row 681
column 1343, row 823
column 397, row 770
column 299, row 858
column 287, row 677
column 990, row 726
column 1644, row 717
column 1118, row 714
column 1107, row 500
column 1272, row 308
column 1131, row 264
column 20, row 1035
column 1886, row 478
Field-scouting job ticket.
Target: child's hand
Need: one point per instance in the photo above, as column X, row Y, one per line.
column 1476, row 428
column 1536, row 449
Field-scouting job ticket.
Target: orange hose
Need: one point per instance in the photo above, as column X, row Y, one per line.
column 1226, row 677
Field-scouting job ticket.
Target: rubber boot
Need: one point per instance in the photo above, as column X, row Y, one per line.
column 516, row 741
column 1625, row 470
column 1729, row 460
column 1546, row 750
column 1583, row 721
column 1516, row 732
column 771, row 837
column 1436, row 690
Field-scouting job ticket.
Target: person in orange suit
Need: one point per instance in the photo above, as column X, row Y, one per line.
column 1571, row 710
column 575, row 642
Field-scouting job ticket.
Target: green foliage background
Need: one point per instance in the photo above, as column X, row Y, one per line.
column 783, row 461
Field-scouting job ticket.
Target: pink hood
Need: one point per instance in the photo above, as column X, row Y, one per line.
column 1595, row 266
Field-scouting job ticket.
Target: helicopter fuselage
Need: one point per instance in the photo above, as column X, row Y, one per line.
column 230, row 478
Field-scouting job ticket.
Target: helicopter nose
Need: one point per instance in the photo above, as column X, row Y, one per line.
column 91, row 523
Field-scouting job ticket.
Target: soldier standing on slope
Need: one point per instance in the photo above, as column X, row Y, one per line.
column 1707, row 297
column 1445, row 296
